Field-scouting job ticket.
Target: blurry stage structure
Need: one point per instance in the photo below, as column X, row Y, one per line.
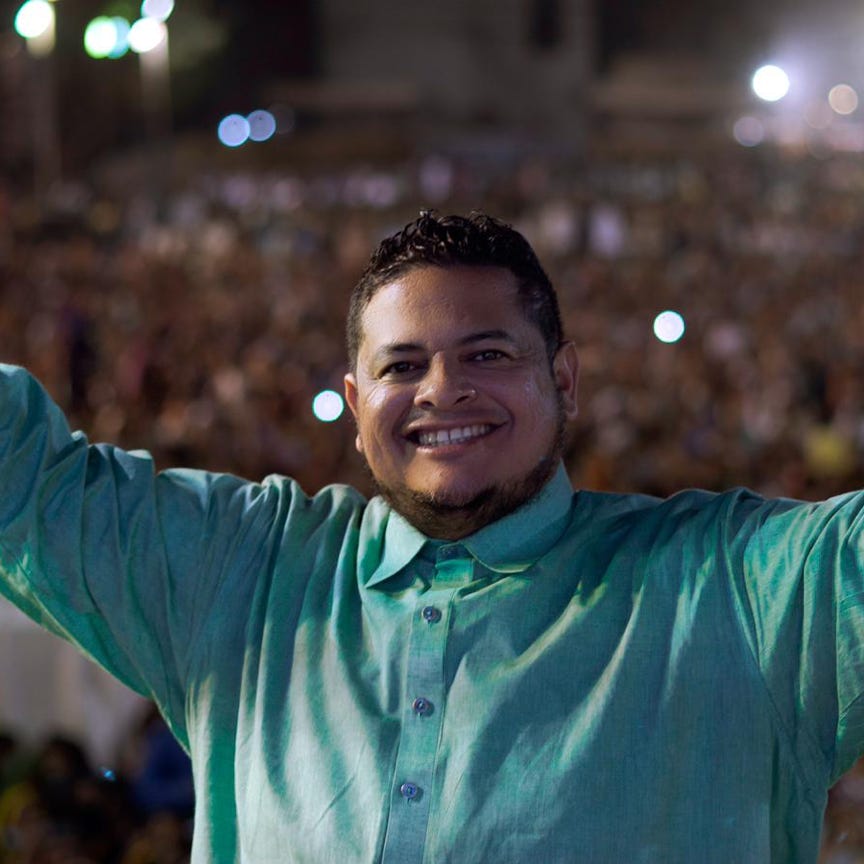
column 387, row 79
column 509, row 65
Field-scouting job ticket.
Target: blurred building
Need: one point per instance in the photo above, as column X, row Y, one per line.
column 520, row 65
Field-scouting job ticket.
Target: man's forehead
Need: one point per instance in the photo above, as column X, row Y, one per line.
column 456, row 303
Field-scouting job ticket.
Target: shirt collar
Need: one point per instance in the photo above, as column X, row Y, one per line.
column 510, row 545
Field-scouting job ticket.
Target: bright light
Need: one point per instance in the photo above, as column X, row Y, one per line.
column 121, row 38
column 34, row 19
column 262, row 125
column 669, row 326
column 147, row 34
column 770, row 83
column 233, row 130
column 843, row 99
column 749, row 131
column 100, row 37
column 327, row 406
column 159, row 9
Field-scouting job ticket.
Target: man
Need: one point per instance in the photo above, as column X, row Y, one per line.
column 477, row 665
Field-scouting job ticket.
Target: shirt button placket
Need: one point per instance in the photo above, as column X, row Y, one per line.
column 424, row 701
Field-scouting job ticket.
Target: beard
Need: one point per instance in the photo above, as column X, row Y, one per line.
column 441, row 519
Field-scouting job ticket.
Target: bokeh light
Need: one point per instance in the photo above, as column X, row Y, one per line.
column 160, row 10
column 34, row 19
column 147, row 34
column 843, row 99
column 121, row 38
column 233, row 130
column 669, row 326
column 748, row 131
column 100, row 37
column 770, row 83
column 262, row 125
column 328, row 406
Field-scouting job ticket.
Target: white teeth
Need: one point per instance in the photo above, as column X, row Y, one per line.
column 452, row 436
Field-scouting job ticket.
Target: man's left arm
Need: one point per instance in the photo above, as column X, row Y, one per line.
column 797, row 577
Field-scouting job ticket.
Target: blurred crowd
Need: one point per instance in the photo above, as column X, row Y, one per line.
column 58, row 808
column 200, row 322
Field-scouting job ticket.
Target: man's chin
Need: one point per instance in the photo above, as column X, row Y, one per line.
column 455, row 511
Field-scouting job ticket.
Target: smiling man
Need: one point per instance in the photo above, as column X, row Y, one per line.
column 479, row 664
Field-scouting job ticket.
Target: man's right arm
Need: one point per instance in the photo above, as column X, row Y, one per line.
column 102, row 550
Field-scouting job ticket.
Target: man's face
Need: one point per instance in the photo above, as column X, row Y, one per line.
column 459, row 415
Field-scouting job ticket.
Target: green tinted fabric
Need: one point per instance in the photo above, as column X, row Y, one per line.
column 596, row 677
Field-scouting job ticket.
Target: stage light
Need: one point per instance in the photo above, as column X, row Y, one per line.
column 121, row 38
column 669, row 326
column 159, row 10
column 262, row 125
column 34, row 19
column 147, row 34
column 233, row 130
column 770, row 83
column 100, row 37
column 843, row 99
column 328, row 406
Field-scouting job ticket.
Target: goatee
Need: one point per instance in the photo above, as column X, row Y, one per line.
column 441, row 519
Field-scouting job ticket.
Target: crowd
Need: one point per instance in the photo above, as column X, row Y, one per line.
column 202, row 327
column 201, row 324
column 57, row 808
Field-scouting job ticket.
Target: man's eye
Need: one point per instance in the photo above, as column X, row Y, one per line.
column 400, row 367
column 488, row 354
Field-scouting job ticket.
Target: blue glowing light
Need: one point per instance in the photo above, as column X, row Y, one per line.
column 328, row 406
column 233, row 130
column 262, row 125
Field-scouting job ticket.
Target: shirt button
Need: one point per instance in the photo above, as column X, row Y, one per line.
column 422, row 707
column 431, row 614
column 409, row 791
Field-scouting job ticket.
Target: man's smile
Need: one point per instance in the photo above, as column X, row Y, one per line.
column 433, row 438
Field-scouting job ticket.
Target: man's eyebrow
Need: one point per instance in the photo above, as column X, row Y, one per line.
column 485, row 334
column 410, row 347
column 396, row 348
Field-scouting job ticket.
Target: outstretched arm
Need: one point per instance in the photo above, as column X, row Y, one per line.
column 102, row 550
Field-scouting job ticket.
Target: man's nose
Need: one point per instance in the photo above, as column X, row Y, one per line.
column 445, row 385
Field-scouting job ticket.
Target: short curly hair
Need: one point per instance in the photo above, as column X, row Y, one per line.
column 476, row 240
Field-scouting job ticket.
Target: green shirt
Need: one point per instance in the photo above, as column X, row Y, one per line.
column 594, row 678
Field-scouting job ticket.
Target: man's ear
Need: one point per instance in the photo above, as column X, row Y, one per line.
column 350, row 382
column 565, row 371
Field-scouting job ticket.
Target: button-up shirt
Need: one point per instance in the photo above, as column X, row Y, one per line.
column 594, row 677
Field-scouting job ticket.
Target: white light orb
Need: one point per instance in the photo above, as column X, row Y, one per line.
column 770, row 83
column 843, row 99
column 262, row 125
column 669, row 326
column 34, row 19
column 328, row 406
column 147, row 34
column 233, row 130
column 159, row 9
column 100, row 37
